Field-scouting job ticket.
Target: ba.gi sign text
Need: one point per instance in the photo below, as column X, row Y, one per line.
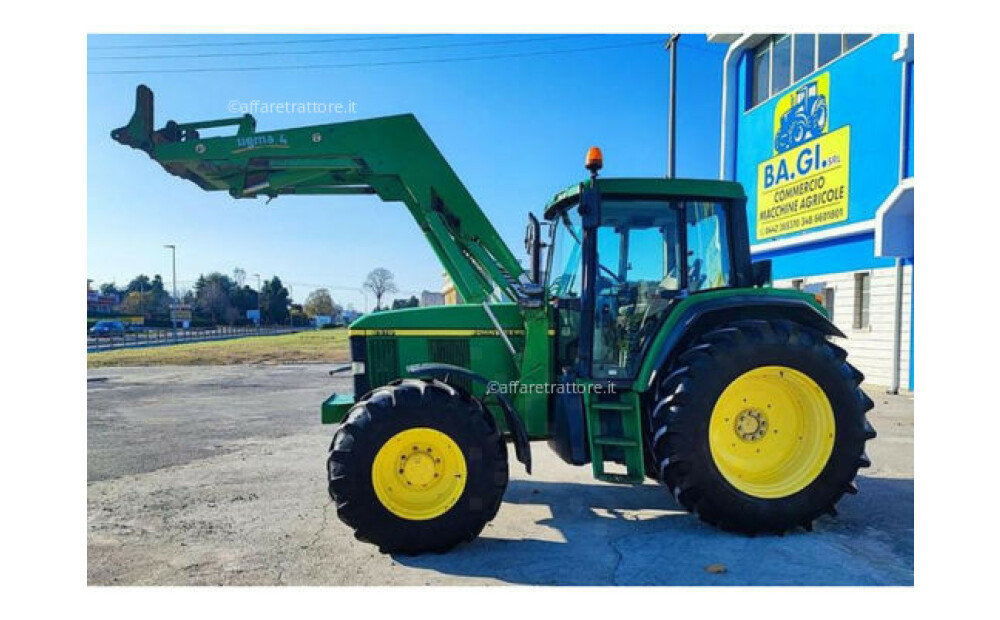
column 806, row 184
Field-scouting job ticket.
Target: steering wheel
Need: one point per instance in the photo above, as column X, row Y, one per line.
column 613, row 275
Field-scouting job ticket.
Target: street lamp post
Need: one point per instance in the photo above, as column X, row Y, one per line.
column 260, row 317
column 173, row 281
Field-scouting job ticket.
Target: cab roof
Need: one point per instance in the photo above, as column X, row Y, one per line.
column 696, row 189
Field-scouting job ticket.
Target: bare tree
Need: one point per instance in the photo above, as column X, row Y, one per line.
column 319, row 302
column 380, row 282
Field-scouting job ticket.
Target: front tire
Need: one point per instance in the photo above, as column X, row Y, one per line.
column 760, row 426
column 417, row 466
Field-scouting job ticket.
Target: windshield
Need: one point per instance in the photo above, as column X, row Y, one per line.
column 643, row 270
column 565, row 261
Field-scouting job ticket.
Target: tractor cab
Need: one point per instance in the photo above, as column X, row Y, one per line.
column 623, row 252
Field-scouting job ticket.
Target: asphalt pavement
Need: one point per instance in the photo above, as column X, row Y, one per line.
column 215, row 476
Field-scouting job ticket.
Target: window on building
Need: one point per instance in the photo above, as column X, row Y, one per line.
column 853, row 40
column 762, row 73
column 781, row 64
column 805, row 55
column 862, row 298
column 783, row 59
column 828, row 48
column 828, row 301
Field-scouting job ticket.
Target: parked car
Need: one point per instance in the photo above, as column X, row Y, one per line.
column 107, row 328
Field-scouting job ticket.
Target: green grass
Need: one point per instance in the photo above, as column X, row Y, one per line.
column 328, row 345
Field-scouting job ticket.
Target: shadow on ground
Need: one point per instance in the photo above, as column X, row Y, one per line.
column 599, row 534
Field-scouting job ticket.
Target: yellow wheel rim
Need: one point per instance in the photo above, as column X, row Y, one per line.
column 419, row 474
column 771, row 432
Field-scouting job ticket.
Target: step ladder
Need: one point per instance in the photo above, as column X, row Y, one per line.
column 615, row 431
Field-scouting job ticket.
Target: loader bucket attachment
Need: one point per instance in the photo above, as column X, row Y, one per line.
column 139, row 132
column 390, row 156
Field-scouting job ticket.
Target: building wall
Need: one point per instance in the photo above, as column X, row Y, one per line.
column 864, row 94
column 430, row 298
column 870, row 347
column 448, row 291
column 863, row 90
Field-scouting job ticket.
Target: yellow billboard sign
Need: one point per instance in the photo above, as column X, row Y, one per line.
column 804, row 187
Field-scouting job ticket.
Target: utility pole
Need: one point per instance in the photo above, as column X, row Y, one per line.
column 671, row 46
column 365, row 295
column 260, row 317
column 173, row 280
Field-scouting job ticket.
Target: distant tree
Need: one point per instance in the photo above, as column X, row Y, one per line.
column 239, row 276
column 110, row 288
column 319, row 302
column 156, row 285
column 243, row 298
column 212, row 295
column 380, row 282
column 159, row 299
column 274, row 301
column 140, row 284
column 135, row 303
column 412, row 302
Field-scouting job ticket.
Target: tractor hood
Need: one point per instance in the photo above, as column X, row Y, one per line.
column 456, row 320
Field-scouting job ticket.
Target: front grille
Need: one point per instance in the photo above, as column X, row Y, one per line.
column 382, row 365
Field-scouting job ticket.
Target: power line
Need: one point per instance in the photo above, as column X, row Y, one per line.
column 520, row 40
column 378, row 63
column 254, row 43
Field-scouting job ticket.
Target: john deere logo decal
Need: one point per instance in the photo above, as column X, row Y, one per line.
column 805, row 184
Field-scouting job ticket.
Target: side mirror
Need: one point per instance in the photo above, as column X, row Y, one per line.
column 533, row 246
column 761, row 273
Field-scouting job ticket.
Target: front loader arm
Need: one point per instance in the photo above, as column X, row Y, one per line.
column 392, row 157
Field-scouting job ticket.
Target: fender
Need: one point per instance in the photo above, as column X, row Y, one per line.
column 700, row 311
column 522, row 447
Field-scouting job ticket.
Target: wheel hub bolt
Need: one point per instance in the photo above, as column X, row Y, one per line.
column 751, row 425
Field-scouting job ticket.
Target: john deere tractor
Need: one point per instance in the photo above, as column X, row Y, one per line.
column 639, row 339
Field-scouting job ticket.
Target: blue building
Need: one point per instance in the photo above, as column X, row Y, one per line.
column 819, row 130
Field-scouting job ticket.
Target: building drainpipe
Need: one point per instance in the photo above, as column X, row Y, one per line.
column 897, row 331
column 897, row 328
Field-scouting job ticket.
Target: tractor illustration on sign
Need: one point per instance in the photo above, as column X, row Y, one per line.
column 805, row 120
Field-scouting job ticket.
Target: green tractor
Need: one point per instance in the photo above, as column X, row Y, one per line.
column 640, row 339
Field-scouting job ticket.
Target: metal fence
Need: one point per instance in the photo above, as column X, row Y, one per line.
column 156, row 337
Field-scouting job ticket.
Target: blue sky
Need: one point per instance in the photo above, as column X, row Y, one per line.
column 514, row 128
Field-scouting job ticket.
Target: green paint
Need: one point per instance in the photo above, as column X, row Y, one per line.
column 672, row 321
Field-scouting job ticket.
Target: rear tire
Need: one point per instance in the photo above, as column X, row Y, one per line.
column 735, row 470
column 463, row 492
